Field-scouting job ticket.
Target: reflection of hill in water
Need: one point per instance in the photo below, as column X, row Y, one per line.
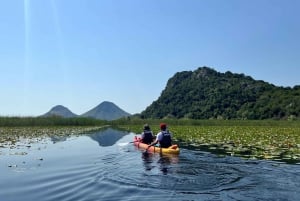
column 107, row 137
column 56, row 139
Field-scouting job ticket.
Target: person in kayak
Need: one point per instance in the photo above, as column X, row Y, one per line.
column 147, row 135
column 164, row 137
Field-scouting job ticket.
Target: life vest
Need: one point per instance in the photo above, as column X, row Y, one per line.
column 148, row 137
column 166, row 139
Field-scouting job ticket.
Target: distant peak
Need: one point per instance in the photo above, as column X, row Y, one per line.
column 59, row 107
column 107, row 102
column 205, row 71
column 107, row 111
column 60, row 110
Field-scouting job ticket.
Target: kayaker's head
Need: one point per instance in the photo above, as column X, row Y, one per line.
column 146, row 127
column 163, row 126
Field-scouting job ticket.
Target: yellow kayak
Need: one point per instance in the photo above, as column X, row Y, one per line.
column 174, row 149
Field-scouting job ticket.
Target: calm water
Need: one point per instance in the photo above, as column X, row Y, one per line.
column 104, row 166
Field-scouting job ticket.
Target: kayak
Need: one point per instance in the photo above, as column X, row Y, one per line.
column 174, row 149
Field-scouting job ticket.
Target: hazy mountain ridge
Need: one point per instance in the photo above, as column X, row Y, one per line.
column 104, row 111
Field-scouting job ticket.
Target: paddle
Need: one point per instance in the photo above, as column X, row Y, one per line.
column 152, row 144
column 124, row 143
column 145, row 153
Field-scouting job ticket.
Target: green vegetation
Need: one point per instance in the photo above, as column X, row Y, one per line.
column 208, row 94
column 49, row 121
column 211, row 122
column 264, row 139
column 12, row 137
column 264, row 142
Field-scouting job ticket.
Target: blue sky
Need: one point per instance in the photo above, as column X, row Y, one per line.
column 78, row 53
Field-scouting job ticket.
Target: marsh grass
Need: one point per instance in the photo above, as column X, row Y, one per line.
column 49, row 121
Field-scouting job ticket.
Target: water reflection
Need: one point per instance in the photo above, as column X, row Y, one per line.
column 107, row 137
column 56, row 139
column 64, row 172
column 163, row 161
column 147, row 161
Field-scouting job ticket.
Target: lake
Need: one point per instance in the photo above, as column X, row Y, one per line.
column 104, row 165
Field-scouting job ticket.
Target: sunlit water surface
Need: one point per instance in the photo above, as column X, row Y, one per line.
column 105, row 166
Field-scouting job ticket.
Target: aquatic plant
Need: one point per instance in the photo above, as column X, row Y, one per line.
column 10, row 136
column 276, row 140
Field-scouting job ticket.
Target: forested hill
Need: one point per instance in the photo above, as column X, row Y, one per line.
column 206, row 93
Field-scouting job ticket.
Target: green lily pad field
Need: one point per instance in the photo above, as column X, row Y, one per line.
column 256, row 140
column 10, row 137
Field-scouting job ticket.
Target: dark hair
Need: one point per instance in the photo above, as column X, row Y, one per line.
column 146, row 127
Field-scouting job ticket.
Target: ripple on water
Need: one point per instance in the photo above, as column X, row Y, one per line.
column 71, row 183
column 179, row 174
column 123, row 173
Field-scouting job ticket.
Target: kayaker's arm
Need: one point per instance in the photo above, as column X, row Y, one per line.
column 153, row 143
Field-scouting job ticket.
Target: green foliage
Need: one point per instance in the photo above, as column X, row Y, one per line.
column 208, row 94
column 263, row 139
column 49, row 121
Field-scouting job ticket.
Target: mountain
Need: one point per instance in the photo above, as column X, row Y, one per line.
column 107, row 137
column 61, row 111
column 106, row 111
column 208, row 94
